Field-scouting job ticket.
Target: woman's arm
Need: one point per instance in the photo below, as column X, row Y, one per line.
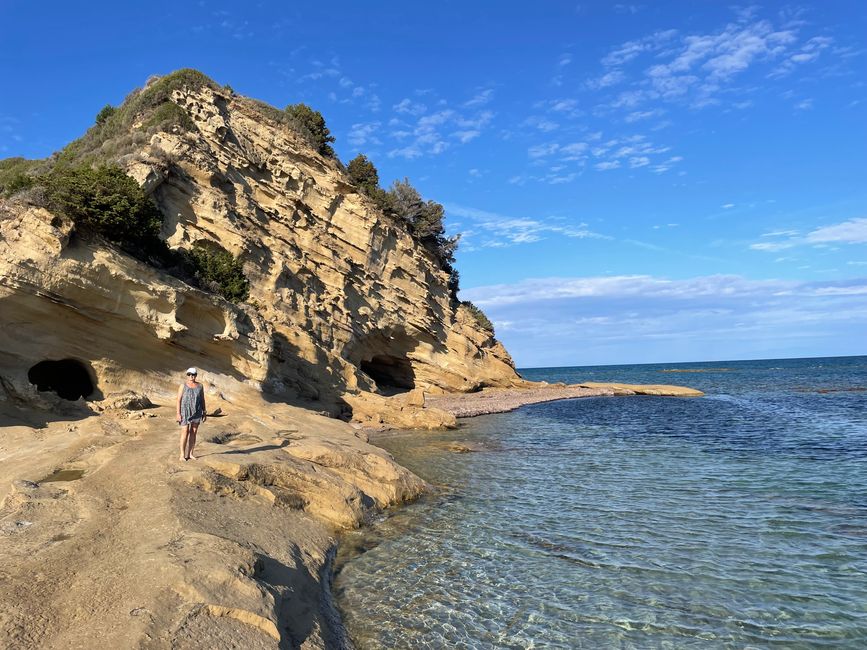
column 204, row 408
column 180, row 394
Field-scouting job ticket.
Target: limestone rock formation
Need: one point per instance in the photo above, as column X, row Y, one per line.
column 343, row 301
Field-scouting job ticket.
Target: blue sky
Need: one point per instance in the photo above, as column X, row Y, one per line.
column 635, row 182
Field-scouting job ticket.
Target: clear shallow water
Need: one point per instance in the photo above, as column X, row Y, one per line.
column 734, row 520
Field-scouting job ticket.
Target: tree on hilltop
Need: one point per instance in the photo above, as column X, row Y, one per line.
column 363, row 174
column 311, row 125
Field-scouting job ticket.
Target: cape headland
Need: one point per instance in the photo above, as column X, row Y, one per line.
column 191, row 226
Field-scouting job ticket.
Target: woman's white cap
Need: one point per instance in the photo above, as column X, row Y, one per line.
column 192, row 371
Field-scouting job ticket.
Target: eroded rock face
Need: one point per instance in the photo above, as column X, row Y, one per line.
column 343, row 301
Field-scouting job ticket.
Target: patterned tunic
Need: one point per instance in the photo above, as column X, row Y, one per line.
column 192, row 404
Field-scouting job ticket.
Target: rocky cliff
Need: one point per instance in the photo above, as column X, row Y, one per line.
column 346, row 308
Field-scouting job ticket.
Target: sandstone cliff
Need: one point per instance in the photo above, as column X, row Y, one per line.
column 345, row 307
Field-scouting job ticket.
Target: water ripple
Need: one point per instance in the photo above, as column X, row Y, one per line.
column 735, row 520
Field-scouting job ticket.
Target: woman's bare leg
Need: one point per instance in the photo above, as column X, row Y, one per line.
column 185, row 431
column 191, row 443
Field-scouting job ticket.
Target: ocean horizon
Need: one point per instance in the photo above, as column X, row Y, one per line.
column 735, row 519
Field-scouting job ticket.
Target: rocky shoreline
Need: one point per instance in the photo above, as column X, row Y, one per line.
column 100, row 522
column 501, row 400
column 108, row 540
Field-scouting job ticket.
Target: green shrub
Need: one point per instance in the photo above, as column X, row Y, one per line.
column 311, row 125
column 363, row 174
column 16, row 174
column 167, row 115
column 219, row 271
column 480, row 316
column 107, row 111
column 106, row 201
column 425, row 221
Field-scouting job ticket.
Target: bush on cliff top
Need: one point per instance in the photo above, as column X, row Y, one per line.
column 480, row 316
column 150, row 108
column 363, row 174
column 311, row 125
column 424, row 219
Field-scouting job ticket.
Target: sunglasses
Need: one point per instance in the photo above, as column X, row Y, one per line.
column 191, row 374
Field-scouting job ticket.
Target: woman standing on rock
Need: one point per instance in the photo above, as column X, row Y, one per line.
column 191, row 412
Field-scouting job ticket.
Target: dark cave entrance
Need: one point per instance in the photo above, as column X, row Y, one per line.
column 391, row 374
column 69, row 378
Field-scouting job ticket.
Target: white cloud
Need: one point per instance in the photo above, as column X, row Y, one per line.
column 853, row 231
column 480, row 99
column 363, row 133
column 499, row 231
column 635, row 116
column 541, row 123
column 433, row 133
column 627, row 286
column 466, row 136
column 697, row 68
column 607, row 165
column 610, row 78
column 810, row 51
column 631, row 49
column 543, row 150
column 409, row 107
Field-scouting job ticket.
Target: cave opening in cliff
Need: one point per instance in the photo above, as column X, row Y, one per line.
column 391, row 374
column 69, row 378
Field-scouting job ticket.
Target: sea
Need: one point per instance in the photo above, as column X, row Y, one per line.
column 734, row 520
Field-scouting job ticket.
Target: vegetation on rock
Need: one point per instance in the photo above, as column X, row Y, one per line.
column 480, row 316
column 106, row 201
column 363, row 174
column 16, row 174
column 424, row 219
column 106, row 112
column 219, row 271
column 311, row 125
column 145, row 111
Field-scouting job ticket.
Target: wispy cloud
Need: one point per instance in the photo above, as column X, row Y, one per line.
column 853, row 231
column 480, row 99
column 809, row 52
column 492, row 230
column 364, row 133
column 410, row 107
column 697, row 68
column 433, row 133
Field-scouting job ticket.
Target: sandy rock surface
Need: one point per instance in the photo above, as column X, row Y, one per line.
column 500, row 400
column 130, row 547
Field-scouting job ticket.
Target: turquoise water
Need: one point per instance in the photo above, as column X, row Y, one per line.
column 734, row 520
